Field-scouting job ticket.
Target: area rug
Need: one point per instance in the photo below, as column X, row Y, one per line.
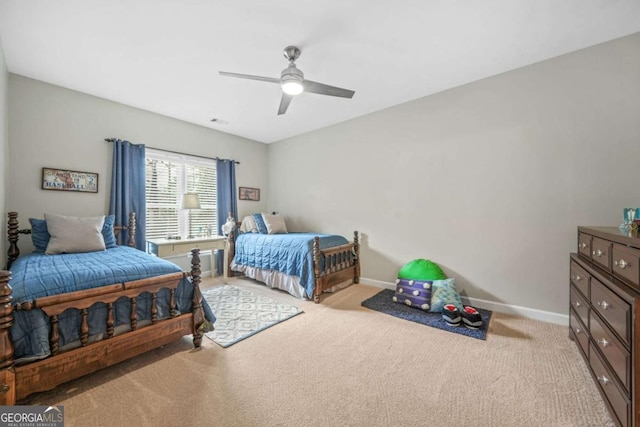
column 382, row 302
column 241, row 313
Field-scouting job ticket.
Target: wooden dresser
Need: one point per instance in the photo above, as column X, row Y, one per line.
column 604, row 318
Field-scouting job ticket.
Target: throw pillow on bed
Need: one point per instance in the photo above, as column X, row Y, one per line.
column 40, row 235
column 275, row 224
column 262, row 227
column 248, row 225
column 71, row 234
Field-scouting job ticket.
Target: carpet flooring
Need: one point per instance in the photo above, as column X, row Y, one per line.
column 382, row 302
column 340, row 364
column 240, row 313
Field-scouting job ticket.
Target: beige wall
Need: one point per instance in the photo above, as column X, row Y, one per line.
column 489, row 180
column 4, row 149
column 56, row 127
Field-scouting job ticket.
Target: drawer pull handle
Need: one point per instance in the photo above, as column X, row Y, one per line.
column 598, row 253
column 622, row 264
column 603, row 304
column 578, row 331
column 577, row 304
column 604, row 380
column 577, row 278
column 603, row 342
column 583, row 245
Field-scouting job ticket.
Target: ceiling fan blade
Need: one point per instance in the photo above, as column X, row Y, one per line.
column 322, row 89
column 250, row 77
column 284, row 103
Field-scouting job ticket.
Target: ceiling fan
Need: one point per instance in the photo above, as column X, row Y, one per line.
column 293, row 82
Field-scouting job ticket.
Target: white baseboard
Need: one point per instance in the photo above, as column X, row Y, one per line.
column 530, row 313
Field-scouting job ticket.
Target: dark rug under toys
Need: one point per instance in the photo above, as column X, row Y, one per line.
column 383, row 303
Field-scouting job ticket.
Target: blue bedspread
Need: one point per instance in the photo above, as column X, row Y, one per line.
column 290, row 253
column 39, row 275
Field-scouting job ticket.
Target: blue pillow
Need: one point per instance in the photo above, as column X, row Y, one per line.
column 40, row 234
column 444, row 292
column 107, row 232
column 262, row 227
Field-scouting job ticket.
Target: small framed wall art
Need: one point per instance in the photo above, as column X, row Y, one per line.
column 66, row 180
column 247, row 193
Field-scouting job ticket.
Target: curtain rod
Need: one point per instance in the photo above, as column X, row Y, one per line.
column 177, row 152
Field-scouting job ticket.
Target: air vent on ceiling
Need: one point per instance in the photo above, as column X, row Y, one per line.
column 219, row 121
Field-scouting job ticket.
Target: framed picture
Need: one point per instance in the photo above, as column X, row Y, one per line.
column 247, row 193
column 65, row 180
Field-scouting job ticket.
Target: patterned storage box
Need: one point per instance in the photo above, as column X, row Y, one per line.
column 414, row 293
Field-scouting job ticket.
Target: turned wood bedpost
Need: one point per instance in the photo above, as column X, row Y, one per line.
column 231, row 244
column 356, row 249
column 132, row 230
column 198, row 314
column 12, row 232
column 7, row 375
column 317, row 290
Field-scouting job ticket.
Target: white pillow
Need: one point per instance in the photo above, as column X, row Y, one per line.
column 248, row 225
column 70, row 234
column 275, row 223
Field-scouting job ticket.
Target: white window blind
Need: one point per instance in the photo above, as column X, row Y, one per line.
column 168, row 177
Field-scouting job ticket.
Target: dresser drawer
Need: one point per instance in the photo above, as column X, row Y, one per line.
column 618, row 401
column 580, row 333
column 579, row 305
column 625, row 263
column 584, row 244
column 614, row 310
column 612, row 349
column 580, row 278
column 601, row 252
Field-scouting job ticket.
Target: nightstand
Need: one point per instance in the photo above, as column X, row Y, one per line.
column 171, row 247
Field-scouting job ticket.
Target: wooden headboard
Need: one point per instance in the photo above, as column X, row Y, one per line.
column 13, row 233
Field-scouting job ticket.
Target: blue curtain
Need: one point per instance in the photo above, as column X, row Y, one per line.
column 226, row 187
column 128, row 189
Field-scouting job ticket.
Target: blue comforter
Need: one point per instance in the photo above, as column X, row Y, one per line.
column 39, row 275
column 290, row 253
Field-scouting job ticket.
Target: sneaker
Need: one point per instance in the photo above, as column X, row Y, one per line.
column 451, row 315
column 471, row 317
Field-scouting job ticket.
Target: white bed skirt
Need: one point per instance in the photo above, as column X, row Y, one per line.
column 278, row 280
column 273, row 279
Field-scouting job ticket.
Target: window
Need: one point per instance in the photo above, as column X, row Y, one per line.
column 168, row 177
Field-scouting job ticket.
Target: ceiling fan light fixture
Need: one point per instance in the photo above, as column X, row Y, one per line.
column 292, row 87
column 291, row 80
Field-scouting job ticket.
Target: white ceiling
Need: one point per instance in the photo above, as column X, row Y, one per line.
column 164, row 55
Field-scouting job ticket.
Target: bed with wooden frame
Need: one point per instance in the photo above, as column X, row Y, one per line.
column 332, row 266
column 17, row 382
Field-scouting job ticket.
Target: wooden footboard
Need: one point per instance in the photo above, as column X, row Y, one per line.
column 331, row 266
column 335, row 265
column 17, row 382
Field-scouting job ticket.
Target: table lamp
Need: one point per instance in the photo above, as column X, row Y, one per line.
column 190, row 201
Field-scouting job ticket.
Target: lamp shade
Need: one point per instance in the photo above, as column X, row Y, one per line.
column 191, row 201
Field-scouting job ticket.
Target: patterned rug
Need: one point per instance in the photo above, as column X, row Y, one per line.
column 241, row 313
column 382, row 301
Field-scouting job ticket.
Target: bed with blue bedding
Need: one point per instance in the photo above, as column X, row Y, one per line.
column 66, row 315
column 303, row 264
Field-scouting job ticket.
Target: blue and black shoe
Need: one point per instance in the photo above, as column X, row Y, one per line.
column 451, row 315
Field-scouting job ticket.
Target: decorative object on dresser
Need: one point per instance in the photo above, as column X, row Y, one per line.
column 604, row 315
column 67, row 315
